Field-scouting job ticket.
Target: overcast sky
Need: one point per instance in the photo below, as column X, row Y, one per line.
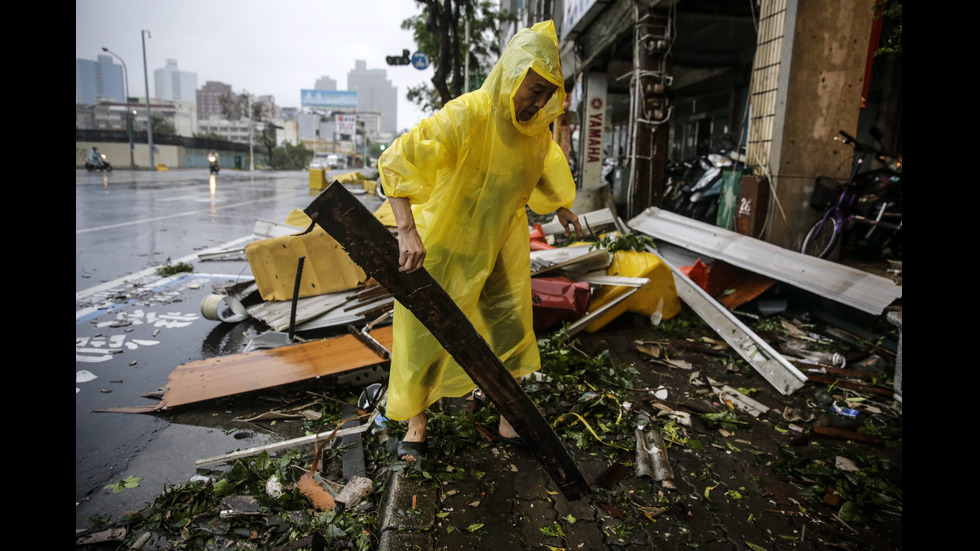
column 276, row 47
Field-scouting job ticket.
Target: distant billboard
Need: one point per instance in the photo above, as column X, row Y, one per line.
column 329, row 99
column 346, row 124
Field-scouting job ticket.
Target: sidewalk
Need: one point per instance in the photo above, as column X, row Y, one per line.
column 512, row 505
column 739, row 481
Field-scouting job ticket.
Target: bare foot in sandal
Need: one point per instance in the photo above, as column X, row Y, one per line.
column 508, row 435
column 413, row 443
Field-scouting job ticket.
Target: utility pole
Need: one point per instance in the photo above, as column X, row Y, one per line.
column 129, row 112
column 251, row 157
column 149, row 119
column 466, row 70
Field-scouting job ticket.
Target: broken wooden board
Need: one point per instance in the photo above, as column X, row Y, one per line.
column 372, row 246
column 229, row 375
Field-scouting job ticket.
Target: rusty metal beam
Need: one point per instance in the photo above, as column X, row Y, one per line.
column 375, row 250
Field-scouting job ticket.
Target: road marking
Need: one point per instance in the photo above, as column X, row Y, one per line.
column 158, row 218
column 136, row 277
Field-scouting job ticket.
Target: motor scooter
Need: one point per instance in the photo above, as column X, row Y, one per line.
column 213, row 163
column 702, row 182
column 702, row 195
column 103, row 165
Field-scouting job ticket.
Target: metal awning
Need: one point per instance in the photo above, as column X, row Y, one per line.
column 852, row 287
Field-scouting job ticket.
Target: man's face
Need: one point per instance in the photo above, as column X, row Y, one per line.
column 532, row 95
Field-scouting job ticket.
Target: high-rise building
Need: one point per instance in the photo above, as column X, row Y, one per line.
column 209, row 100
column 374, row 93
column 98, row 79
column 173, row 84
column 325, row 83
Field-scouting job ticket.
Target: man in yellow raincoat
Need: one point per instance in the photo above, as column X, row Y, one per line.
column 458, row 185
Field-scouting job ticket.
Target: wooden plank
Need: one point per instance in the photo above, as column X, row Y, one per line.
column 375, row 250
column 229, row 375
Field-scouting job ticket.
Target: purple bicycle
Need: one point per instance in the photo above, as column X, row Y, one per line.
column 865, row 211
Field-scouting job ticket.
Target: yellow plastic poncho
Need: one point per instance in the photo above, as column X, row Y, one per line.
column 469, row 171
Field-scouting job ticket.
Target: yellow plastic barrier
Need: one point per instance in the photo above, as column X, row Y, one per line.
column 660, row 292
column 326, row 269
column 318, row 179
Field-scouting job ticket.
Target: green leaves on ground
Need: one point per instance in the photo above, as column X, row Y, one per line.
column 171, row 269
column 120, row 486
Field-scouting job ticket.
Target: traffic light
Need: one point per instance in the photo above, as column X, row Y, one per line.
column 405, row 59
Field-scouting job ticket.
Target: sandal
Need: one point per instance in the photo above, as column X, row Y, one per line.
column 410, row 449
column 516, row 441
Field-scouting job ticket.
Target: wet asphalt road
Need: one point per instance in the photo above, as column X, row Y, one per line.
column 132, row 327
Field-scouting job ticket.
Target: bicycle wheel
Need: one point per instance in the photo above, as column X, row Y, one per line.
column 822, row 237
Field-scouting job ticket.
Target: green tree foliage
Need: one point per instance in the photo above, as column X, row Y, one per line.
column 211, row 136
column 264, row 131
column 890, row 12
column 440, row 32
column 289, row 157
column 162, row 126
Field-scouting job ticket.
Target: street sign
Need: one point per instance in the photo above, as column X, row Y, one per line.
column 420, row 60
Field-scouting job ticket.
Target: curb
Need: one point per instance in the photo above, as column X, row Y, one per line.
column 408, row 516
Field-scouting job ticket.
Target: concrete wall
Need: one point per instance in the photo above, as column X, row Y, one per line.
column 823, row 96
column 118, row 154
column 173, row 156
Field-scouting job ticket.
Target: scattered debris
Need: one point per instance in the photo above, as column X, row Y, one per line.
column 770, row 364
column 737, row 400
column 651, row 456
column 356, row 489
column 230, row 375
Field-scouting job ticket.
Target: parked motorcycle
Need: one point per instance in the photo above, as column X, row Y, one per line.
column 213, row 163
column 863, row 213
column 103, row 165
column 693, row 187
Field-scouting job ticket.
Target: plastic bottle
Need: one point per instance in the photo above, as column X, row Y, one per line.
column 810, row 356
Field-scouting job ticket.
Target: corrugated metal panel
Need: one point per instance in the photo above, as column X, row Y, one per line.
column 866, row 292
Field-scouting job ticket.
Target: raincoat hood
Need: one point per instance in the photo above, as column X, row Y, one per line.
column 531, row 48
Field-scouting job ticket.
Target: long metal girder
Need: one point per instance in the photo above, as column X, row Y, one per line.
column 776, row 369
column 372, row 246
column 849, row 286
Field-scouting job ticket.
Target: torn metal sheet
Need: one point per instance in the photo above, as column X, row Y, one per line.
column 600, row 278
column 265, row 229
column 651, row 456
column 229, row 375
column 738, row 400
column 776, row 369
column 328, row 310
column 575, row 260
column 858, row 289
column 593, row 220
column 287, row 444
